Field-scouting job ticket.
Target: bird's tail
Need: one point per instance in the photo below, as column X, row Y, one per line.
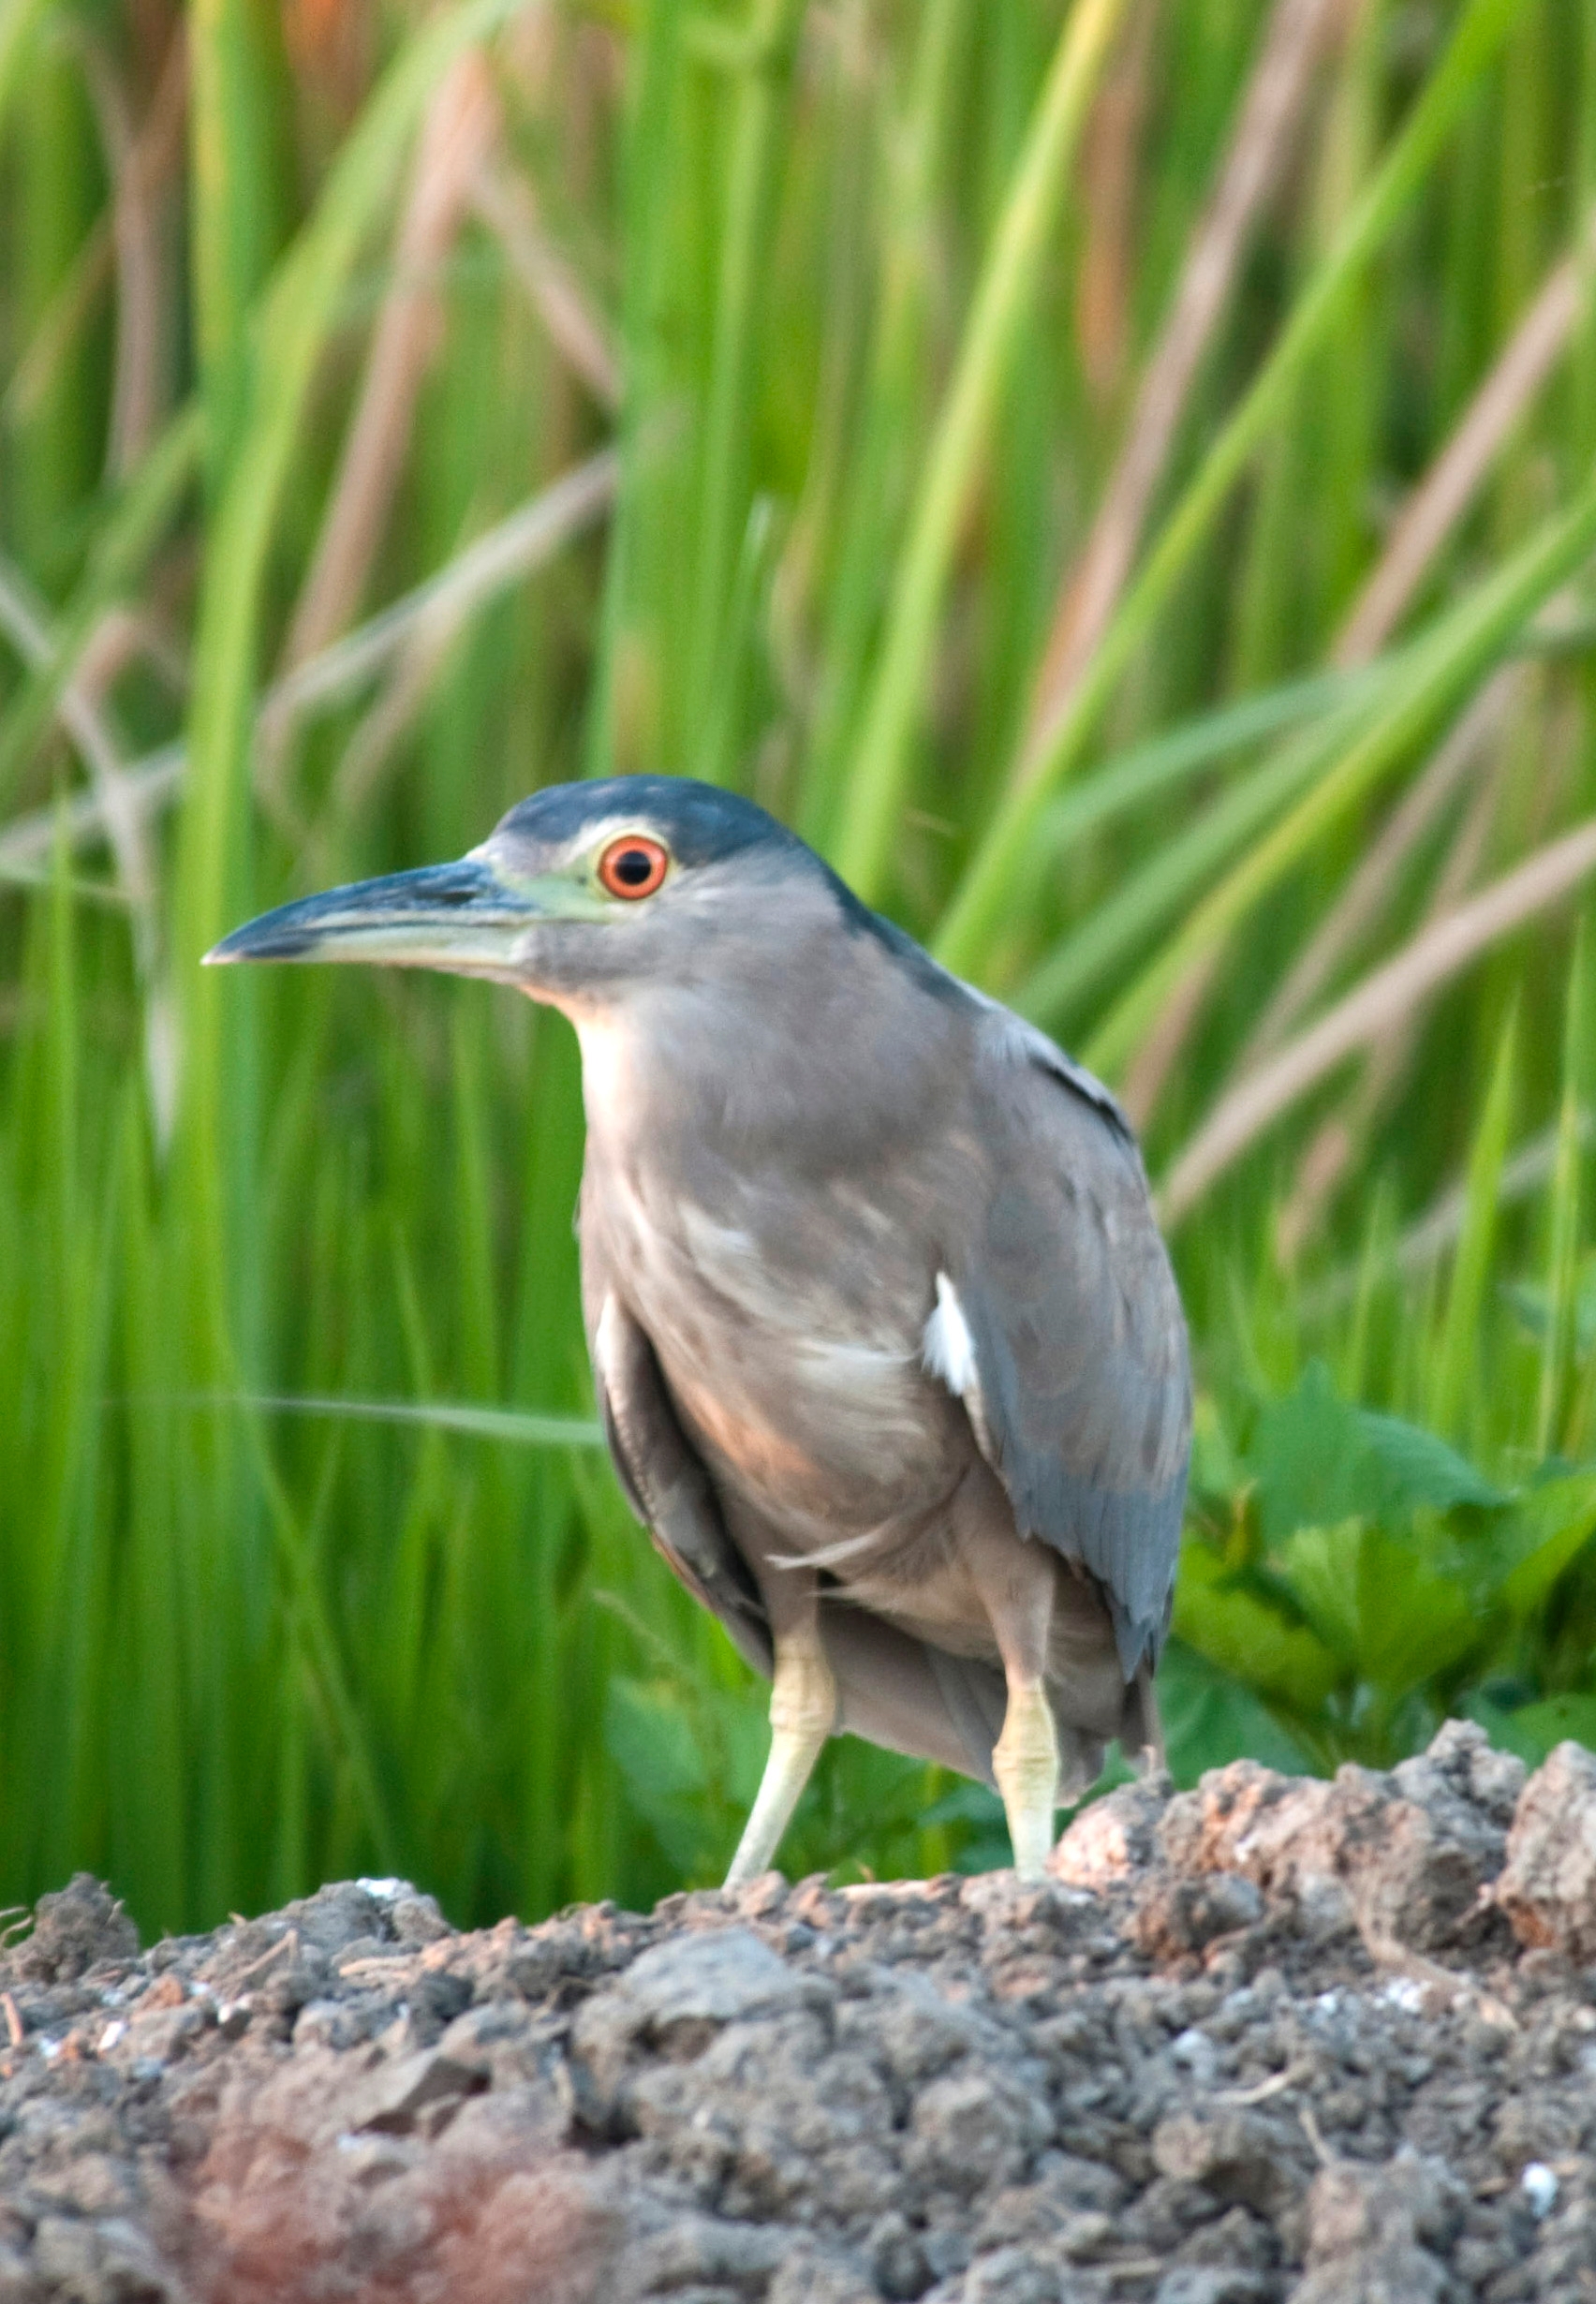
column 1141, row 1728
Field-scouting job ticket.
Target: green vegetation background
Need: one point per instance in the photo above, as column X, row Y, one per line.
column 1122, row 478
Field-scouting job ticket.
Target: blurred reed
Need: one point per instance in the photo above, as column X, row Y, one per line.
column 1121, row 476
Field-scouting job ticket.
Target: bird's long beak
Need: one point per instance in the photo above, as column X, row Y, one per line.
column 463, row 918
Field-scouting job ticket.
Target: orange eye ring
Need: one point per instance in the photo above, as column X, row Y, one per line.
column 634, row 866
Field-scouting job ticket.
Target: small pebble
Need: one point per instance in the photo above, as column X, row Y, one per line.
column 1540, row 2188
column 1197, row 2052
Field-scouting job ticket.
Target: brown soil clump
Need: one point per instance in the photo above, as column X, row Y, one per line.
column 1271, row 2040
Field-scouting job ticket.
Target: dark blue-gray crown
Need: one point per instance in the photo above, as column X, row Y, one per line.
column 701, row 823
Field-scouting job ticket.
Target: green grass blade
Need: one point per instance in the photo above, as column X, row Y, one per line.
column 131, row 529
column 1156, row 769
column 521, row 1427
column 763, row 79
column 1176, row 870
column 19, row 19
column 1563, row 1212
column 297, row 313
column 651, row 133
column 874, row 482
column 1458, row 1356
column 1439, row 674
column 306, row 1600
column 880, row 770
column 980, row 905
column 287, row 336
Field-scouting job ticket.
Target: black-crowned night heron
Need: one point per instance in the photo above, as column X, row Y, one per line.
column 887, row 1346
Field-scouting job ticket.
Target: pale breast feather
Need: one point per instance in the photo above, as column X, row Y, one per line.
column 822, row 1357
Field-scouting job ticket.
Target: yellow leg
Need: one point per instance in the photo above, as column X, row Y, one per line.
column 1025, row 1761
column 803, row 1713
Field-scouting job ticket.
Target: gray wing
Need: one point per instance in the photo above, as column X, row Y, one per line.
column 1082, row 1401
column 665, row 1483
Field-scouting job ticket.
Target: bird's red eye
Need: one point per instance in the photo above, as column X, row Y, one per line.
column 632, row 866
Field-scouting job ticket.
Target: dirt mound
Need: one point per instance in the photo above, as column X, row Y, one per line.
column 1272, row 2039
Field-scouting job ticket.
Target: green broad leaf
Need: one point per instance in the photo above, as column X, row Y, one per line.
column 1211, row 1720
column 990, row 1852
column 1549, row 1527
column 1538, row 1728
column 1302, row 1450
column 1319, row 1568
column 1225, row 1621
column 1318, row 1461
column 979, row 1825
column 1533, row 1730
column 1411, row 1468
column 966, row 1802
column 1217, row 1469
column 1372, row 1602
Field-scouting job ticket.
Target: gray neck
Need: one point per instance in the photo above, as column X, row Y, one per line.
column 812, row 1046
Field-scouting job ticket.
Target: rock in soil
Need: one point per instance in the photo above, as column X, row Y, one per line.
column 1271, row 2040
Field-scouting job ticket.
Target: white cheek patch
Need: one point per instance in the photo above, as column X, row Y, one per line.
column 948, row 1349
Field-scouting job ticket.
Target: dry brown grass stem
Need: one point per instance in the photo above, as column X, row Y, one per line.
column 141, row 163
column 524, row 540
column 418, row 626
column 1337, row 1144
column 1439, row 952
column 1434, row 506
column 122, row 637
column 63, row 317
column 503, row 199
column 436, row 623
column 1150, row 1067
column 1440, row 500
column 1109, row 159
column 83, row 713
column 1375, row 880
column 1260, row 147
column 393, row 711
column 461, row 126
column 150, row 785
column 1429, row 1236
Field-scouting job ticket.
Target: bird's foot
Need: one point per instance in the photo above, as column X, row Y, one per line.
column 1025, row 1761
column 802, row 1714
